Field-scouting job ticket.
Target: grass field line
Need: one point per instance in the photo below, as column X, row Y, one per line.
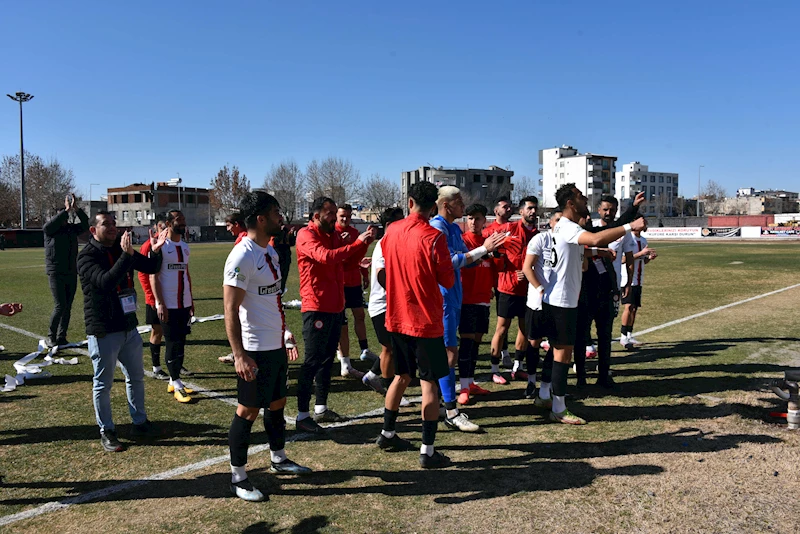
column 21, row 267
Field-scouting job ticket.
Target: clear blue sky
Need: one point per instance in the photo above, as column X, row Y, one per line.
column 139, row 91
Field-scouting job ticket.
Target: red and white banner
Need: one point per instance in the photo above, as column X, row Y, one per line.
column 673, row 233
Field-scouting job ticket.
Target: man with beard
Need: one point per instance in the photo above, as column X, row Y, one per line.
column 151, row 314
column 503, row 210
column 172, row 288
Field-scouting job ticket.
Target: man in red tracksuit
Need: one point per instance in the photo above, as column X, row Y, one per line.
column 512, row 288
column 503, row 210
column 320, row 262
column 356, row 279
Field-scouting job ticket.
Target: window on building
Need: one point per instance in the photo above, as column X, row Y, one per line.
column 190, row 199
column 125, row 215
column 501, row 179
column 124, row 199
column 562, row 163
column 489, row 179
column 652, row 191
column 661, row 178
column 606, row 164
column 660, row 189
column 561, row 175
column 138, row 215
column 669, row 191
column 137, row 197
column 476, row 178
column 669, row 179
column 622, row 191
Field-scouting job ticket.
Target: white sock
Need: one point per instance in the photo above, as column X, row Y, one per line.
column 369, row 376
column 451, row 413
column 517, row 365
column 346, row 362
column 320, row 408
column 278, row 456
column 559, row 405
column 156, row 368
column 176, row 383
column 495, row 368
column 471, row 381
column 388, row 433
column 532, row 378
column 544, row 390
column 238, row 474
column 303, row 415
column 464, row 382
column 426, row 449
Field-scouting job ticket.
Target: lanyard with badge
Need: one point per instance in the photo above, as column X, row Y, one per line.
column 127, row 294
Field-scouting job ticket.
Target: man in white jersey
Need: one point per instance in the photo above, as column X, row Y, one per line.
column 562, row 291
column 172, row 288
column 634, row 276
column 536, row 260
column 261, row 345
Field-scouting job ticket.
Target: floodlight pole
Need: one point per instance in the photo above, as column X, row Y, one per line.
column 21, row 98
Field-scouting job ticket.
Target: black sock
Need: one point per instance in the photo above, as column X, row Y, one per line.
column 239, row 440
column 518, row 355
column 155, row 354
column 386, row 382
column 625, row 330
column 389, row 419
column 450, row 405
column 275, row 425
column 363, row 343
column 429, row 432
column 476, row 348
column 376, row 366
column 495, row 360
column 465, row 357
column 560, row 372
column 532, row 359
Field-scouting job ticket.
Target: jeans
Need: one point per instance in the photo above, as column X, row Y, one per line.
column 125, row 347
column 63, row 287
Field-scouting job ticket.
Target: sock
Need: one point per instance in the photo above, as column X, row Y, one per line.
column 275, row 425
column 558, row 403
column 448, row 386
column 560, row 373
column 346, row 362
column 495, row 361
column 320, row 409
column 238, row 474
column 277, row 456
column 495, row 367
column 544, row 390
column 532, row 359
column 177, row 384
column 239, row 440
column 518, row 355
column 465, row 357
column 532, row 378
column 426, row 449
column 451, row 412
column 625, row 330
column 386, row 382
column 429, row 433
column 517, row 365
column 389, row 422
column 156, row 368
column 364, row 344
column 155, row 355
column 369, row 376
column 376, row 367
column 303, row 415
column 465, row 382
column 476, row 348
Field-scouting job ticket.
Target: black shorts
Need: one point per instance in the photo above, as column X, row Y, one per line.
column 426, row 354
column 560, row 324
column 379, row 323
column 474, row 319
column 354, row 297
column 510, row 306
column 151, row 315
column 535, row 324
column 270, row 382
column 634, row 297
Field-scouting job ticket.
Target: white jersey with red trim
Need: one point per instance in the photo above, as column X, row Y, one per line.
column 176, row 285
column 257, row 271
column 639, row 244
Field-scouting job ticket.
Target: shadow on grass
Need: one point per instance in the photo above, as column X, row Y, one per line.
column 310, row 525
column 650, row 352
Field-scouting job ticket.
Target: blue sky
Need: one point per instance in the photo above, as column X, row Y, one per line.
column 136, row 92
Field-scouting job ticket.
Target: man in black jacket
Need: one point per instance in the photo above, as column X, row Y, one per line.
column 105, row 267
column 60, row 253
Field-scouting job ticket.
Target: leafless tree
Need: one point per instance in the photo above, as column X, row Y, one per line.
column 227, row 189
column 380, row 192
column 333, row 177
column 46, row 184
column 524, row 186
column 679, row 205
column 713, row 197
column 286, row 183
column 661, row 205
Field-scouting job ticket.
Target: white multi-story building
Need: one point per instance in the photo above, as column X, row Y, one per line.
column 661, row 188
column 591, row 173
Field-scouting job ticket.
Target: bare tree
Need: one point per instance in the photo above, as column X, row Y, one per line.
column 46, row 184
column 524, row 186
column 333, row 177
column 661, row 204
column 713, row 197
column 380, row 192
column 285, row 182
column 227, row 189
column 679, row 206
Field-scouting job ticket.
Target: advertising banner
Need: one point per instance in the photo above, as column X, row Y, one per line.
column 780, row 231
column 721, row 232
column 673, row 233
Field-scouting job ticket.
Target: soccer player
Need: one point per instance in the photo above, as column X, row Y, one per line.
column 503, row 210
column 477, row 283
column 561, row 294
column 451, row 207
column 235, row 225
column 320, row 258
column 513, row 289
column 632, row 301
column 534, row 268
column 356, row 280
column 417, row 263
column 262, row 347
column 150, row 313
column 283, row 243
column 172, row 288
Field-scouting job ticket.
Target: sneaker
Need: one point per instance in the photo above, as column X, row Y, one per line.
column 160, row 375
column 633, row 341
column 50, row 342
column 497, row 378
column 462, row 423
column 109, row 441
column 507, row 362
column 186, row 372
column 434, row 461
column 394, row 444
column 351, row 372
column 368, row 355
column 519, row 375
column 182, row 396
column 288, row 467
column 246, row 491
column 545, row 345
column 475, row 389
column 463, row 397
column 580, row 382
column 308, row 425
column 546, row 404
column 566, row 417
column 226, row 359
column 530, row 390
column 61, row 341
column 374, row 384
column 591, row 351
column 171, row 388
column 625, row 341
column 404, row 402
column 145, row 430
column 608, row 383
column 329, row 416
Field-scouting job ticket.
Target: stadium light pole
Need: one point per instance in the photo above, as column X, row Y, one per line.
column 21, row 98
column 698, row 189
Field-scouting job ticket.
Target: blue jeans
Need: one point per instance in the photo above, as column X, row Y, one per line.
column 125, row 347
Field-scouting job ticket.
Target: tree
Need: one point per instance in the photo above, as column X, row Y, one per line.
column 661, row 205
column 227, row 189
column 380, row 192
column 285, row 182
column 524, row 187
column 333, row 177
column 713, row 197
column 46, row 185
column 680, row 206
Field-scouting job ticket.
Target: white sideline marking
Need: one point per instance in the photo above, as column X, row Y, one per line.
column 21, row 267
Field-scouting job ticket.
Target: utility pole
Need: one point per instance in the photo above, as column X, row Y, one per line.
column 21, row 98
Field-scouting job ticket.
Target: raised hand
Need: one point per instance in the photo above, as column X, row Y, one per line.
column 126, row 243
column 640, row 198
column 639, row 224
column 493, row 241
column 162, row 238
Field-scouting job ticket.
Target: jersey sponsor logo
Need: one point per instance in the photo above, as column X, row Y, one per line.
column 271, row 289
column 176, row 266
column 236, row 274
